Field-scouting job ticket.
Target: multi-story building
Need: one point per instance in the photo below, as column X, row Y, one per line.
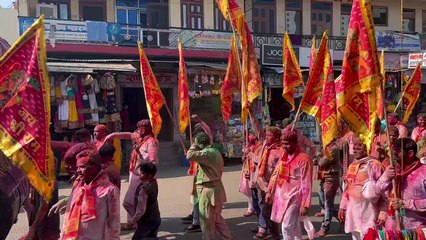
column 103, row 35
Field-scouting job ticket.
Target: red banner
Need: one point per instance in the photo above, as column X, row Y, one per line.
column 252, row 82
column 412, row 92
column 292, row 75
column 25, row 109
column 328, row 104
column 312, row 98
column 183, row 95
column 153, row 96
column 232, row 81
column 356, row 90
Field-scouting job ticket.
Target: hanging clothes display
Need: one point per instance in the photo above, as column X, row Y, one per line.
column 71, row 88
column 62, row 99
column 112, row 115
column 89, row 87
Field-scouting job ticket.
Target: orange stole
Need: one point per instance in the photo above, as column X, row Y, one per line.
column 264, row 159
column 284, row 168
column 89, row 208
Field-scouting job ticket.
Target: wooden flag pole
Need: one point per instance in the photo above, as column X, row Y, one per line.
column 299, row 108
column 176, row 127
column 397, row 216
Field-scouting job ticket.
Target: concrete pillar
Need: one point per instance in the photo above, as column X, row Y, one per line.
column 249, row 13
column 75, row 9
column 306, row 17
column 336, row 19
column 23, row 8
column 208, row 14
column 280, row 13
column 32, row 8
column 419, row 19
column 175, row 14
column 110, row 10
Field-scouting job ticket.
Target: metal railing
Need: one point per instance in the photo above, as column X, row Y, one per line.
column 128, row 35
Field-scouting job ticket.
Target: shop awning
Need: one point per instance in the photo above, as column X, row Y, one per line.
column 81, row 67
column 219, row 66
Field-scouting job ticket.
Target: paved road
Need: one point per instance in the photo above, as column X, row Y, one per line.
column 174, row 187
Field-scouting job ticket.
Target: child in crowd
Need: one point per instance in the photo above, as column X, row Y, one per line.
column 107, row 159
column 144, row 212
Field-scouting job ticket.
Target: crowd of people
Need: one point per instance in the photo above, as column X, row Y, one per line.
column 379, row 191
column 377, row 194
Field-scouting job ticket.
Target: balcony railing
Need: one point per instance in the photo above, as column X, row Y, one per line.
column 91, row 32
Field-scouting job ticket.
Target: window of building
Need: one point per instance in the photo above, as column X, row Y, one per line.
column 345, row 15
column 264, row 16
column 424, row 21
column 192, row 14
column 63, row 8
column 321, row 18
column 409, row 20
column 380, row 15
column 220, row 22
column 146, row 13
column 93, row 10
column 293, row 16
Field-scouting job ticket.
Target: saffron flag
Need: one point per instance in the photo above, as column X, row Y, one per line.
column 153, row 96
column 183, row 95
column 292, row 75
column 356, row 89
column 329, row 119
column 411, row 92
column 380, row 88
column 251, row 80
column 232, row 81
column 25, row 109
column 312, row 98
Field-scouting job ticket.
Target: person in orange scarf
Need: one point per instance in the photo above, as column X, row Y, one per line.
column 145, row 149
column 359, row 207
column 93, row 210
column 250, row 152
column 411, row 188
column 269, row 156
column 290, row 187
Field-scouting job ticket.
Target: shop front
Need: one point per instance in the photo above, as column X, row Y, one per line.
column 205, row 84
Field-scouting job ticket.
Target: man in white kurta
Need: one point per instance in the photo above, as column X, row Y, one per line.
column 290, row 187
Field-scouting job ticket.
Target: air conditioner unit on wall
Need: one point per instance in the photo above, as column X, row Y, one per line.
column 48, row 10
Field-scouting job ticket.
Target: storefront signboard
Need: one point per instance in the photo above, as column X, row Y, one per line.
column 58, row 29
column 206, row 39
column 135, row 80
column 272, row 55
column 391, row 41
column 414, row 59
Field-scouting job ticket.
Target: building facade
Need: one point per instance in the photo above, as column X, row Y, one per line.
column 98, row 37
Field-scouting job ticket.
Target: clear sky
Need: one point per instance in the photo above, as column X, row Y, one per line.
column 5, row 3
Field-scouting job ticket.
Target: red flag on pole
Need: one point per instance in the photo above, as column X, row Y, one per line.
column 232, row 81
column 292, row 75
column 183, row 95
column 251, row 81
column 153, row 96
column 412, row 91
column 312, row 98
column 25, row 109
column 356, row 90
